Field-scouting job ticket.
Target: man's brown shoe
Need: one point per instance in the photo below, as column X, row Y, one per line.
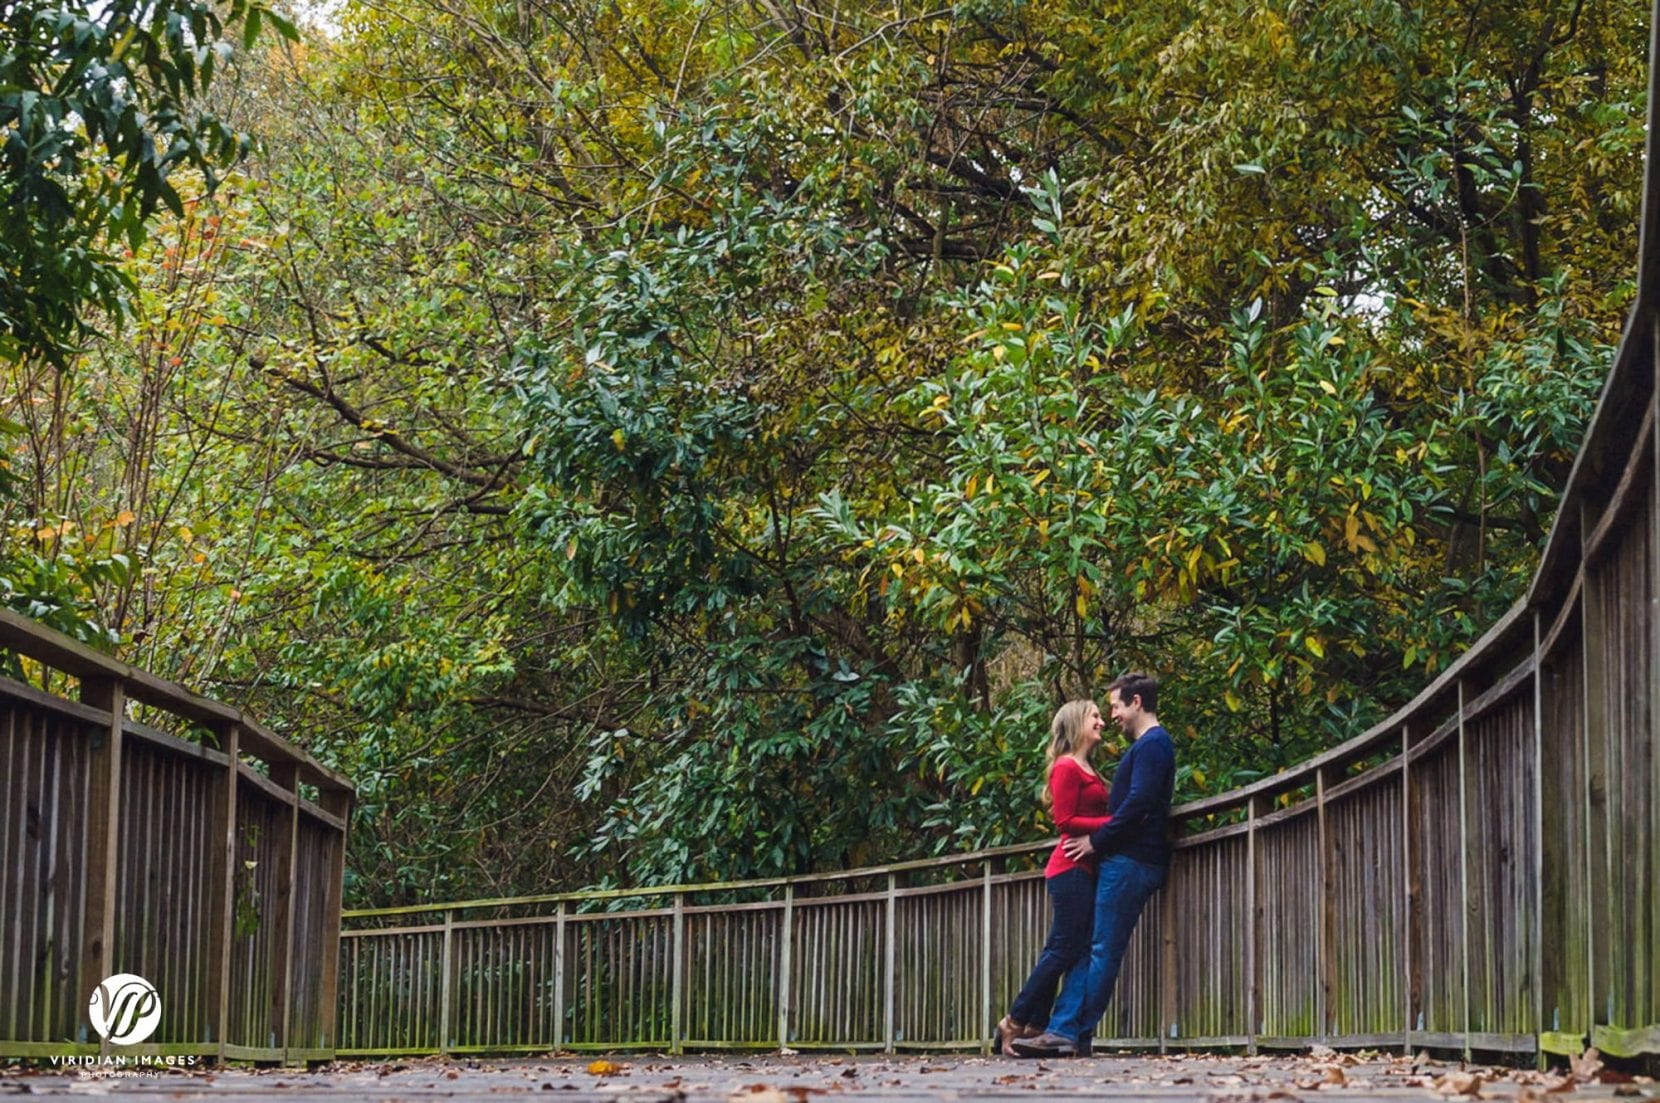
column 1046, row 1045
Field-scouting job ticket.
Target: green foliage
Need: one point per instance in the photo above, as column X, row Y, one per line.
column 97, row 112
column 662, row 442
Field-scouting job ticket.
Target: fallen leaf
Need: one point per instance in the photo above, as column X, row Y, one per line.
column 1586, row 1065
column 1457, row 1083
column 604, row 1068
column 758, row 1093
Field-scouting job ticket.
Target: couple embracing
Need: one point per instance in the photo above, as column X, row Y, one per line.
column 1113, row 854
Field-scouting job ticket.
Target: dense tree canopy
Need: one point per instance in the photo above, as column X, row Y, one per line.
column 674, row 440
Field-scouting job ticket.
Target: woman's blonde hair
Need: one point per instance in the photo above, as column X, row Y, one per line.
column 1066, row 732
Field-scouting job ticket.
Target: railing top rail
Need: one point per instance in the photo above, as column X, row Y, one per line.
column 942, row 862
column 59, row 652
column 1497, row 639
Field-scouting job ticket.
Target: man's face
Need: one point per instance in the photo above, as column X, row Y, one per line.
column 1124, row 714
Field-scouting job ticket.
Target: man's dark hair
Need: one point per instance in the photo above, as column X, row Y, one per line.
column 1136, row 684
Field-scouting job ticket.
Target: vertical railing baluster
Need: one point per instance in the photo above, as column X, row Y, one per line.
column 786, row 963
column 446, row 983
column 287, row 775
column 1464, row 865
column 1591, row 720
column 559, row 977
column 1253, row 930
column 985, row 957
column 1409, row 983
column 677, row 966
column 103, row 836
column 1537, row 962
column 888, row 977
column 1168, row 994
column 222, row 892
column 336, row 802
column 1325, row 957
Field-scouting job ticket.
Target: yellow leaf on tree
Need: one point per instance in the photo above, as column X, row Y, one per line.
column 1315, row 554
column 1315, row 648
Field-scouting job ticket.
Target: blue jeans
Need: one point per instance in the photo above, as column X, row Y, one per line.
column 1121, row 891
column 1072, row 900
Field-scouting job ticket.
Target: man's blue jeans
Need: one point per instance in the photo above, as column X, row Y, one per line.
column 1121, row 891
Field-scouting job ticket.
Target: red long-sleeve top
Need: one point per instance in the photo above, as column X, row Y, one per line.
column 1080, row 807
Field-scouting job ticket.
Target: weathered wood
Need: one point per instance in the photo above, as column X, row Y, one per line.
column 1325, row 916
column 986, row 1016
column 338, row 803
column 287, row 779
column 890, row 977
column 223, row 893
column 1407, row 934
column 1593, row 733
column 1464, row 863
column 103, row 843
column 1253, row 933
column 677, row 968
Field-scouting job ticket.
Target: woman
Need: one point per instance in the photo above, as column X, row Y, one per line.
column 1078, row 799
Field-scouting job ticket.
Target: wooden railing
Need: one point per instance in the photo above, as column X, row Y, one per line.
column 207, row 861
column 1480, row 872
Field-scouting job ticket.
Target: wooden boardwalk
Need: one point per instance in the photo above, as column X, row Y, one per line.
column 800, row 1079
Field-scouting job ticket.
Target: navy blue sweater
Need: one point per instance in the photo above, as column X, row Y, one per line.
column 1140, row 801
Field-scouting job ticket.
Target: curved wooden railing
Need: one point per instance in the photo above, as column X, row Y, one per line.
column 1479, row 872
column 206, row 859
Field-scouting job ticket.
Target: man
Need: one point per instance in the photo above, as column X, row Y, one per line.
column 1135, row 856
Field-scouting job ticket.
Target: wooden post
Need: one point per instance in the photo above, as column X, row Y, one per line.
column 677, row 965
column 287, row 775
column 1591, row 721
column 1324, row 936
column 336, row 802
column 1168, row 993
column 887, row 967
column 1464, row 866
column 222, row 894
column 1253, row 930
column 446, row 981
column 1537, row 963
column 103, row 842
column 985, row 958
column 558, row 975
column 786, row 965
column 1649, row 961
column 1409, row 896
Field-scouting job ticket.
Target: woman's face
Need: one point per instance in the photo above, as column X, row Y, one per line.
column 1092, row 727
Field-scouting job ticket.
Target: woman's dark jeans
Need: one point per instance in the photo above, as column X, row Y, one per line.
column 1072, row 900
